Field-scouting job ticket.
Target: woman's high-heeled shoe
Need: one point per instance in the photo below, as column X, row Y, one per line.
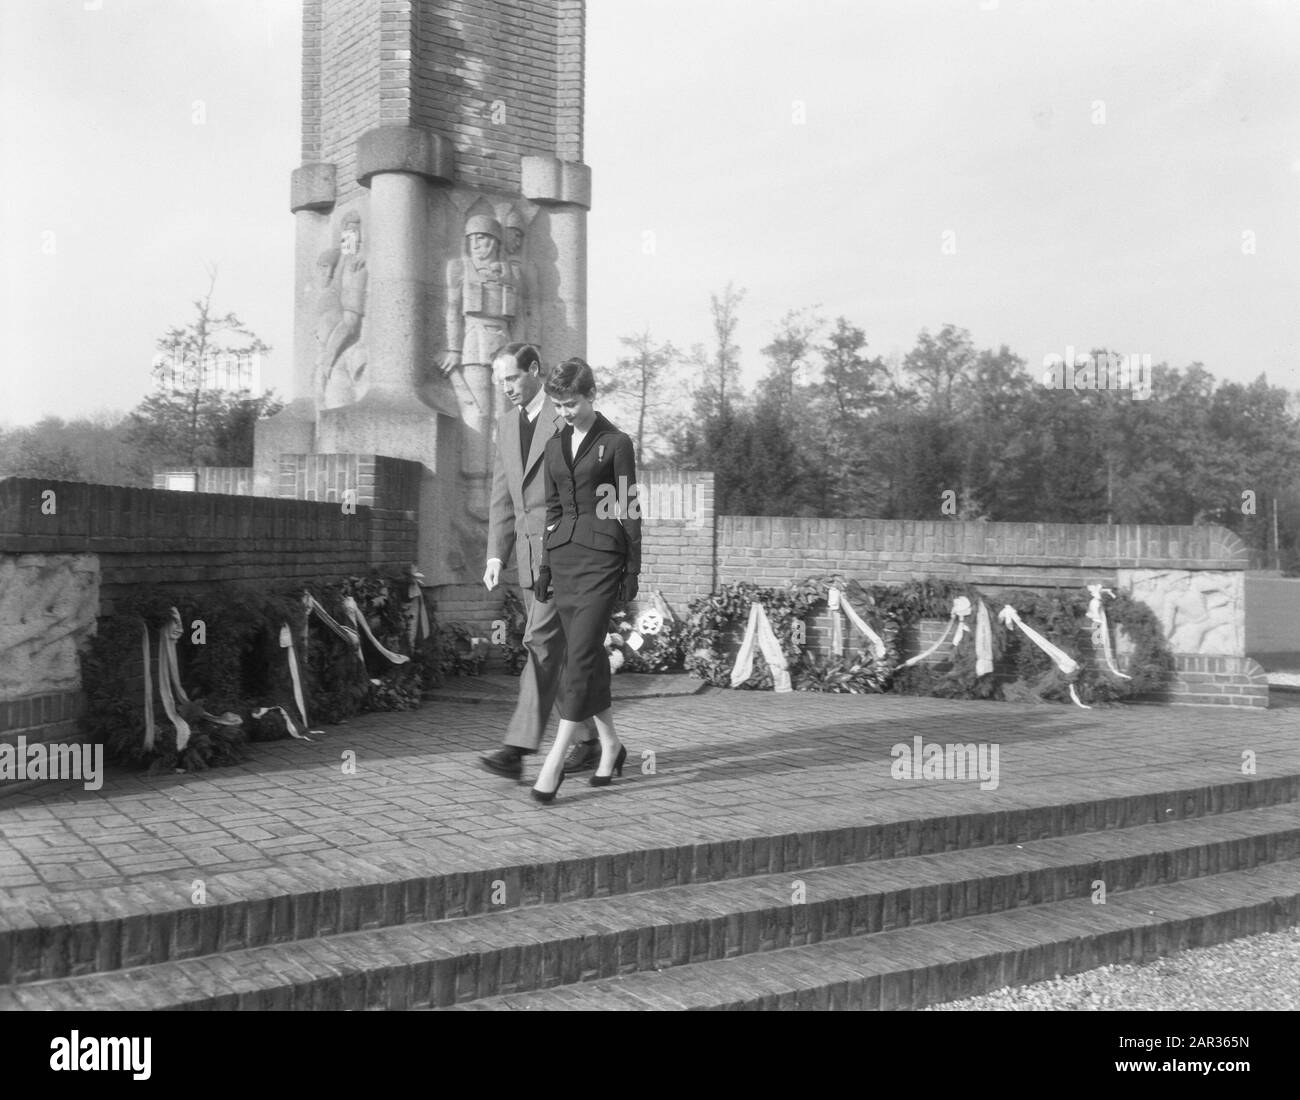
column 548, row 796
column 604, row 780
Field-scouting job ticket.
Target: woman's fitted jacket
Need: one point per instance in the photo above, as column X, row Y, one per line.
column 593, row 505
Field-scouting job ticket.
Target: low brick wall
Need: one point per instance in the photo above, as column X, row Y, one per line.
column 227, row 480
column 344, row 514
column 189, row 540
column 678, row 536
column 1194, row 575
column 768, row 550
column 1216, row 681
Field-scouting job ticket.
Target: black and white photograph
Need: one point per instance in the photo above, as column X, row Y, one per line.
column 653, row 506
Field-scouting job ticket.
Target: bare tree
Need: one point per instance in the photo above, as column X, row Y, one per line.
column 642, row 377
column 723, row 373
column 788, row 354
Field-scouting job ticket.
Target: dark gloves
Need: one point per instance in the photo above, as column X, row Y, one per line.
column 627, row 588
column 542, row 586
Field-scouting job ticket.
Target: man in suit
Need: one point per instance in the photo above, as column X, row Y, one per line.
column 517, row 517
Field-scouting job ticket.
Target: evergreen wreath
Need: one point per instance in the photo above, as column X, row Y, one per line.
column 217, row 675
column 339, row 687
column 712, row 617
column 856, row 671
column 234, row 663
column 1021, row 671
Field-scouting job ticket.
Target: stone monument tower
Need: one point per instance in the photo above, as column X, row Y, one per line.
column 441, row 212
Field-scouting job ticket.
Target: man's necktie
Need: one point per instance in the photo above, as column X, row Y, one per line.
column 526, row 428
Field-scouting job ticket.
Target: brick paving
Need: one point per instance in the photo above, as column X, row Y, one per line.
column 725, row 765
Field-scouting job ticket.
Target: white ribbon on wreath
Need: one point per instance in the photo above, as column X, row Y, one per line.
column 174, row 699
column 1101, row 629
column 983, row 641
column 1063, row 661
column 417, row 613
column 169, row 677
column 286, row 642
column 350, row 634
column 313, row 607
column 759, row 630
column 838, row 601
column 961, row 609
column 150, row 731
column 353, row 612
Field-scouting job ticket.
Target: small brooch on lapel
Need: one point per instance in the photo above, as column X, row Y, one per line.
column 600, row 452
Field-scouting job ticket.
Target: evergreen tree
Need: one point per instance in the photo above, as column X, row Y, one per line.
column 191, row 419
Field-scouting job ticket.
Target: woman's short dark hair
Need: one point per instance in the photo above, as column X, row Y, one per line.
column 571, row 378
column 526, row 357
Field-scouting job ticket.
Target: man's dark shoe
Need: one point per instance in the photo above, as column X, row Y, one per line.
column 507, row 762
column 582, row 757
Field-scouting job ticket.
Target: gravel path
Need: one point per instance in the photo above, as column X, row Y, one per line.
column 1255, row 973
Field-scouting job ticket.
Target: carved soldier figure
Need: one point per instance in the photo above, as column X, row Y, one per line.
column 516, row 228
column 486, row 302
column 348, row 284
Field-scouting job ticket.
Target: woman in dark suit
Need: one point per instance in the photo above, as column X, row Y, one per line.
column 591, row 554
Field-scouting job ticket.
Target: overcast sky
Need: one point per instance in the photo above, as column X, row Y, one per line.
column 1120, row 174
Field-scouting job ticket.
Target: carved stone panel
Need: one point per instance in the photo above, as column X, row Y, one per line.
column 48, row 604
column 1203, row 612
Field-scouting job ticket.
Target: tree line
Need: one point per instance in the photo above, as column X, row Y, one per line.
column 953, row 430
column 948, row 430
column 186, row 421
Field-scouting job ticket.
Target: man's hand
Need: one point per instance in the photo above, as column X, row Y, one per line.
column 542, row 586
column 492, row 574
column 449, row 362
column 627, row 588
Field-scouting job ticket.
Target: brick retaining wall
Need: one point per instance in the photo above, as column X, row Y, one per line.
column 360, row 511
column 688, row 558
column 192, row 540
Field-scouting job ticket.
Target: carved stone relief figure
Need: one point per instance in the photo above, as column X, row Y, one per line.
column 489, row 304
column 516, row 230
column 1201, row 611
column 341, row 305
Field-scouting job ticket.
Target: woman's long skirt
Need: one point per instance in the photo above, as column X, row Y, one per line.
column 586, row 591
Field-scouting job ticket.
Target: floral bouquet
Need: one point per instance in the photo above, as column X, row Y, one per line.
column 648, row 642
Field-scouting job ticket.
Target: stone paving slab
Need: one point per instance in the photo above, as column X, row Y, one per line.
column 724, row 764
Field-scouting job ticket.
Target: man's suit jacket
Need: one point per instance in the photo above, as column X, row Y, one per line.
column 592, row 503
column 517, row 515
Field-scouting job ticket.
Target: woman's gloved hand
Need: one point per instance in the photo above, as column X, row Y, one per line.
column 542, row 591
column 627, row 588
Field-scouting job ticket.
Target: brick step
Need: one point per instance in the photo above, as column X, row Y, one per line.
column 910, row 968
column 90, row 931
column 440, row 962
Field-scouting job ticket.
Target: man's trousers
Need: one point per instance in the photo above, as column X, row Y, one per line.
column 540, row 679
